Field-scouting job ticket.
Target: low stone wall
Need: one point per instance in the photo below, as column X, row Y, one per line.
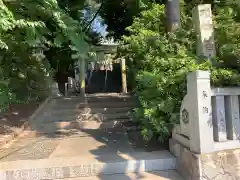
column 222, row 165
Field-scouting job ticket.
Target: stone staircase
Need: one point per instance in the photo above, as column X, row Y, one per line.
column 83, row 139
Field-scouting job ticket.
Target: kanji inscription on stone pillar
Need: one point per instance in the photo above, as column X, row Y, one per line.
column 202, row 18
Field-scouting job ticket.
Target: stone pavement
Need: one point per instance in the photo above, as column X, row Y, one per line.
column 62, row 132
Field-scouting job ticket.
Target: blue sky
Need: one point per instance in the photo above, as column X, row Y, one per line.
column 97, row 24
column 99, row 27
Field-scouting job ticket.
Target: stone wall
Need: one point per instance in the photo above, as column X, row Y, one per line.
column 187, row 163
column 222, row 165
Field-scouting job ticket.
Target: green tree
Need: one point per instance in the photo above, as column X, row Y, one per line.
column 119, row 14
column 158, row 62
column 30, row 31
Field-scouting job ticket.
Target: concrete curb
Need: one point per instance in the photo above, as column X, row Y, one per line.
column 89, row 170
column 10, row 137
column 73, row 167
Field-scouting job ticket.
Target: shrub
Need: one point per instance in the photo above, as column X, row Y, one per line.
column 159, row 62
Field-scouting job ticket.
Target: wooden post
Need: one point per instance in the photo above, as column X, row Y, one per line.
column 82, row 77
column 124, row 77
column 173, row 15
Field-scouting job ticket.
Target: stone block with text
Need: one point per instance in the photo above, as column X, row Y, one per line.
column 202, row 19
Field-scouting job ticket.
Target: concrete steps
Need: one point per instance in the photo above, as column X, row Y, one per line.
column 73, row 115
column 85, row 117
column 87, row 166
column 83, row 125
column 97, row 110
column 97, row 101
column 77, row 128
column 110, row 96
column 104, row 104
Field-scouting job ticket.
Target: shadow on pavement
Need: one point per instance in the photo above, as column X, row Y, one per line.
column 104, row 140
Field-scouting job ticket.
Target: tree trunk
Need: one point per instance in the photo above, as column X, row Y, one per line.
column 173, row 15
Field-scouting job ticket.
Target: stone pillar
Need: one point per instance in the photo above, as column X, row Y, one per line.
column 173, row 14
column 202, row 19
column 200, row 116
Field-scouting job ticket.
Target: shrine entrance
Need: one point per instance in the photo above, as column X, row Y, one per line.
column 104, row 72
column 104, row 78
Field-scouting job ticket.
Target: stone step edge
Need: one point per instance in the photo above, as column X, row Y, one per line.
column 98, row 105
column 88, row 169
column 83, row 119
column 88, row 113
column 88, row 117
column 94, row 109
column 153, row 175
column 96, row 99
column 98, row 102
column 69, row 122
column 109, row 95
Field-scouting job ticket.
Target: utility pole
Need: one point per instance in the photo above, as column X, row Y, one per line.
column 173, row 14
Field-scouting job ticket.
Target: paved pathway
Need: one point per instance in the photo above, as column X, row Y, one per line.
column 62, row 133
column 71, row 135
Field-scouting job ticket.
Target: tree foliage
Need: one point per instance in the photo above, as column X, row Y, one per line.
column 119, row 14
column 31, row 33
column 159, row 61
